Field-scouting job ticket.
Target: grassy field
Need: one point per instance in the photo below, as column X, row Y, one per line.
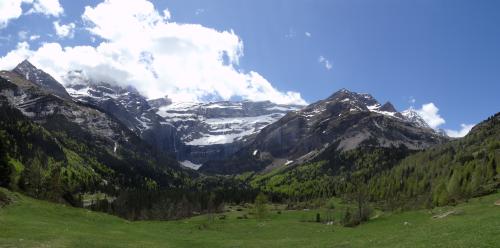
column 33, row 223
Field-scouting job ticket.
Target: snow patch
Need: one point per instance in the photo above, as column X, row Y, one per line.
column 191, row 165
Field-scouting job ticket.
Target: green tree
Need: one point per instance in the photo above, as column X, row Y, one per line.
column 5, row 168
column 261, row 205
column 32, row 179
column 454, row 187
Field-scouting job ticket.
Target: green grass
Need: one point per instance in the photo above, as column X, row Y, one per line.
column 33, row 223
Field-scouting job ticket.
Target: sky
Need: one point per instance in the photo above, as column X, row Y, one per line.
column 439, row 57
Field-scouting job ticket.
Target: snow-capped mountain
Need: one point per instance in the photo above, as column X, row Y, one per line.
column 200, row 132
column 202, row 124
column 413, row 116
column 216, row 130
column 194, row 132
column 128, row 106
column 344, row 121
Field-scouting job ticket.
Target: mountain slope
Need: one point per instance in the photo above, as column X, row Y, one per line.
column 463, row 168
column 440, row 175
column 344, row 121
column 47, row 135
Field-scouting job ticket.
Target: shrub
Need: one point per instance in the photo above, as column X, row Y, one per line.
column 352, row 220
column 4, row 199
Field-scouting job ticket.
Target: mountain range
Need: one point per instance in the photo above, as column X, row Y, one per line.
column 60, row 142
column 267, row 134
column 344, row 121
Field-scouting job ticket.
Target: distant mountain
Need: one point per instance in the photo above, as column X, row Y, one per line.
column 193, row 132
column 216, row 130
column 344, row 121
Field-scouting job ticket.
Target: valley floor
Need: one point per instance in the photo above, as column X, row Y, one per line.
column 33, row 223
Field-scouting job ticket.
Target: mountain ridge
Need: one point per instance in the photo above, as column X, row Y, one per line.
column 345, row 120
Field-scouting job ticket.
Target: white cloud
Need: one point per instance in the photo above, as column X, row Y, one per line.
column 46, row 7
column 307, row 34
column 325, row 62
column 34, row 37
column 465, row 128
column 167, row 15
column 14, row 57
column 64, row 30
column 429, row 112
column 9, row 10
column 187, row 62
column 22, row 35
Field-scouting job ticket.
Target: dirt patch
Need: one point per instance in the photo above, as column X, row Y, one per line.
column 447, row 213
column 497, row 203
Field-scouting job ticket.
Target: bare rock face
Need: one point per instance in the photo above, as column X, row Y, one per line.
column 38, row 77
column 345, row 120
column 128, row 106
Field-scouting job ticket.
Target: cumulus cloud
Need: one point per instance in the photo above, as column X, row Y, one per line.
column 14, row 57
column 11, row 9
column 64, row 30
column 325, row 62
column 142, row 48
column 465, row 128
column 46, row 7
column 430, row 113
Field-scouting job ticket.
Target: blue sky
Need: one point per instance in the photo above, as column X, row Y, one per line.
column 445, row 52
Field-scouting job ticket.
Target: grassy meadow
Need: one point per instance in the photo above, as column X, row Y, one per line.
column 32, row 223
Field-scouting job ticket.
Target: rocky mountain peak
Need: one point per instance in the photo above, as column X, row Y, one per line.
column 388, row 107
column 25, row 66
column 40, row 78
column 413, row 116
